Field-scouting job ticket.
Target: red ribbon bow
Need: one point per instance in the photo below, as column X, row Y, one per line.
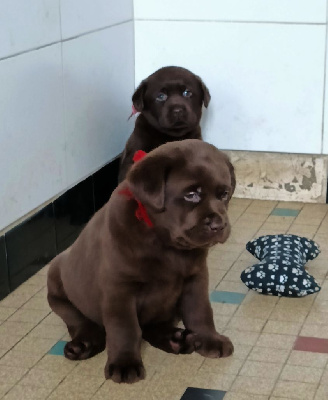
column 141, row 212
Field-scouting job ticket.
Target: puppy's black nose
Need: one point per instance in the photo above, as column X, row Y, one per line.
column 214, row 223
column 177, row 112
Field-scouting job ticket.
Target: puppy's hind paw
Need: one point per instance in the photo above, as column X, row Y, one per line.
column 184, row 341
column 81, row 350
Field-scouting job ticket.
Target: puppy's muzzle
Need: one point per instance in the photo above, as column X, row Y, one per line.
column 214, row 223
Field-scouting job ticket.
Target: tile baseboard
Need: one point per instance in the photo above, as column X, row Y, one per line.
column 280, row 176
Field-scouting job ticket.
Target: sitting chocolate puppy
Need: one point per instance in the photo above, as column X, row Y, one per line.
column 170, row 105
column 140, row 263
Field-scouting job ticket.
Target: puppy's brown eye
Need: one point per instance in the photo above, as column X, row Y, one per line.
column 194, row 196
column 187, row 93
column 161, row 97
column 224, row 195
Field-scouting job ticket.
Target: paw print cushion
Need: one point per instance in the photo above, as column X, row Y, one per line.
column 281, row 270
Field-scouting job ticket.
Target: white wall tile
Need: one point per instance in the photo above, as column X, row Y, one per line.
column 233, row 10
column 325, row 132
column 32, row 161
column 266, row 80
column 81, row 16
column 98, row 85
column 25, row 25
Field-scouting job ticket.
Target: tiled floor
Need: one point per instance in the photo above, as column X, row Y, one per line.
column 281, row 344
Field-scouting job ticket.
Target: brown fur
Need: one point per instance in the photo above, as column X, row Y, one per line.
column 122, row 280
column 176, row 118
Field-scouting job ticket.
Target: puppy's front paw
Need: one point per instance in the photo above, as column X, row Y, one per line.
column 184, row 341
column 215, row 347
column 129, row 371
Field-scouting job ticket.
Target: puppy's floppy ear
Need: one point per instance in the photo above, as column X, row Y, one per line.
column 147, row 180
column 233, row 176
column 138, row 96
column 206, row 93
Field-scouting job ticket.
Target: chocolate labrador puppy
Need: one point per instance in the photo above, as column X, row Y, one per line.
column 139, row 265
column 170, row 105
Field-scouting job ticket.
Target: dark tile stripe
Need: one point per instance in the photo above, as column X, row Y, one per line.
column 312, row 344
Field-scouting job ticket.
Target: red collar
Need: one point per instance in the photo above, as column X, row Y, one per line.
column 141, row 212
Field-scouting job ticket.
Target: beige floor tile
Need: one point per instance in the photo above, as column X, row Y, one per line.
column 230, row 365
column 303, row 230
column 253, row 385
column 18, row 359
column 42, row 293
column 43, row 378
column 318, row 331
column 307, row 359
column 8, row 341
column 243, row 338
column 181, row 362
column 294, row 390
column 216, row 263
column 251, row 217
column 235, row 248
column 242, row 396
column 27, row 315
column 301, row 374
column 152, row 356
column 317, row 318
column 298, row 302
column 276, row 341
column 252, row 311
column 4, row 388
column 20, row 392
column 37, row 280
column 241, row 202
column 246, row 324
column 241, row 351
column 289, row 314
column 56, row 363
column 281, row 227
column 322, row 393
column 15, row 300
column 261, row 369
column 240, row 266
column 280, row 220
column 32, row 345
column 208, row 380
column 46, row 331
column 282, row 327
column 302, row 219
column 224, row 308
column 271, row 231
column 242, row 235
column 53, row 319
column 37, row 303
column 215, row 277
column 245, row 255
column 232, row 275
column 58, row 394
column 6, row 312
column 81, row 384
column 16, row 328
column 292, row 205
column 257, row 299
column 267, row 354
column 221, row 322
column 11, row 375
column 228, row 286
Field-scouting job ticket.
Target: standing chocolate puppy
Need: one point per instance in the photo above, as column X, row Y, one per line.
column 170, row 105
column 139, row 265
